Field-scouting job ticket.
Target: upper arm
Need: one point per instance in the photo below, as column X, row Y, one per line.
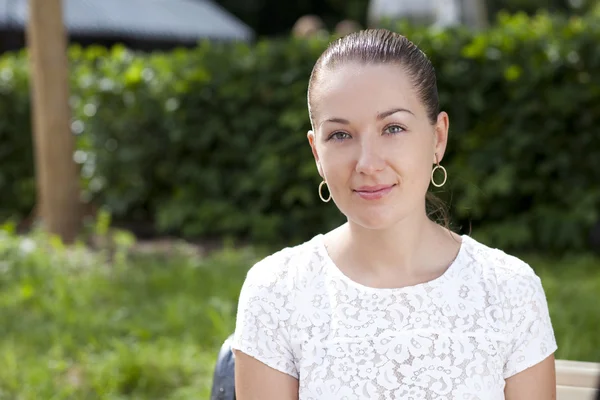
column 536, row 382
column 529, row 369
column 265, row 366
column 255, row 380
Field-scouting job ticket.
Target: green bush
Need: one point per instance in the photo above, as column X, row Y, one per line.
column 212, row 141
column 17, row 180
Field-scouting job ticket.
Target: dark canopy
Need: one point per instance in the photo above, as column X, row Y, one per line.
column 182, row 21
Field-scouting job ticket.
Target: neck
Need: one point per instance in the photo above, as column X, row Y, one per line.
column 414, row 247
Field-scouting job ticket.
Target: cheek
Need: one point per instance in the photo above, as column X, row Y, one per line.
column 412, row 158
column 335, row 164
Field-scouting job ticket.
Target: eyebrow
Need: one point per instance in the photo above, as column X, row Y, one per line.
column 380, row 116
column 386, row 114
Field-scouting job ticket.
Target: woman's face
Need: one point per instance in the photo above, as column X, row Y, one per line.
column 373, row 143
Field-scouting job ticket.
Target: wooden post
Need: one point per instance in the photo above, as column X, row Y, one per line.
column 56, row 172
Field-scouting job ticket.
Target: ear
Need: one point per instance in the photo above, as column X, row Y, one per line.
column 313, row 145
column 440, row 139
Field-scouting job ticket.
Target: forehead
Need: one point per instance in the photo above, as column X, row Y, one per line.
column 355, row 90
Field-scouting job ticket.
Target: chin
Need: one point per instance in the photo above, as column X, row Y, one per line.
column 378, row 215
column 374, row 220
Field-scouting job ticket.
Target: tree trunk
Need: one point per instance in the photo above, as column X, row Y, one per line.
column 56, row 172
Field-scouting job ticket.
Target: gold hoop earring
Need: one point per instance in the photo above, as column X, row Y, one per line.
column 445, row 176
column 321, row 194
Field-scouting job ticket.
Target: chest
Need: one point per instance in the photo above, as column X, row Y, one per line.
column 421, row 344
column 421, row 365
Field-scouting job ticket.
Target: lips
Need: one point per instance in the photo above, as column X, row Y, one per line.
column 372, row 189
column 374, row 192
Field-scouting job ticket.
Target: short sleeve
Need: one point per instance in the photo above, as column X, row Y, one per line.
column 528, row 319
column 264, row 309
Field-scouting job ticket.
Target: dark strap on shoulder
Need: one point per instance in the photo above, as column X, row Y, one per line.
column 223, row 387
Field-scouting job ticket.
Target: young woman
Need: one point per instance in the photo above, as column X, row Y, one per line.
column 390, row 305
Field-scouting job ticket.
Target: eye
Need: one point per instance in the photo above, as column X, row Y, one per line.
column 394, row 129
column 338, row 136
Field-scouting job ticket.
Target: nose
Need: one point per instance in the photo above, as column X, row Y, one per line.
column 370, row 158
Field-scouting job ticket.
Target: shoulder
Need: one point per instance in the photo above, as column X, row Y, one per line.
column 267, row 304
column 503, row 265
column 282, row 271
column 515, row 295
column 513, row 279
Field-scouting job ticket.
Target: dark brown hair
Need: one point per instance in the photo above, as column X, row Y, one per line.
column 381, row 46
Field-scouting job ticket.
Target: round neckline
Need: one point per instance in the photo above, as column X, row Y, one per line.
column 449, row 272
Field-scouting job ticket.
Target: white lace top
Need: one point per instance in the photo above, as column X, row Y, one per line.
column 456, row 337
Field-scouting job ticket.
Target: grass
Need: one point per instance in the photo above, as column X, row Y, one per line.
column 119, row 325
column 78, row 325
column 572, row 286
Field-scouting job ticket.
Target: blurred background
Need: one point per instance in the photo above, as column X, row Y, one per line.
column 186, row 120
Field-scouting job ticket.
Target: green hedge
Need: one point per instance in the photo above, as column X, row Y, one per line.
column 212, row 141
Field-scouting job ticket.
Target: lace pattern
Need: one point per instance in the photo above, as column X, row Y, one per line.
column 456, row 337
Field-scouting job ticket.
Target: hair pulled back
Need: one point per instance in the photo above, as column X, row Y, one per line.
column 381, row 46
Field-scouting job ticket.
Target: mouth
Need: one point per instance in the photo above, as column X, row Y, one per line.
column 374, row 192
